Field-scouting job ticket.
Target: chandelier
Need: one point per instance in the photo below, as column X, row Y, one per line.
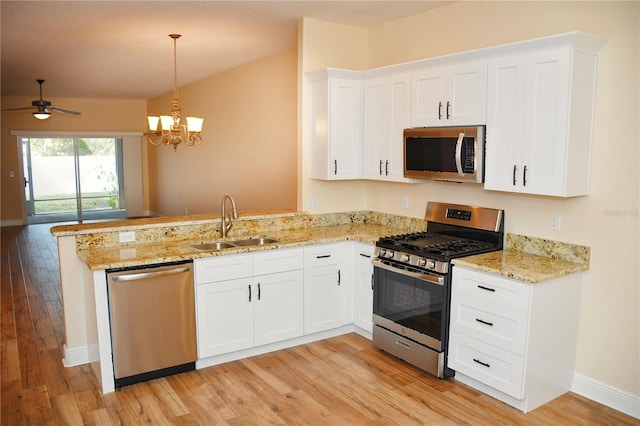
column 171, row 132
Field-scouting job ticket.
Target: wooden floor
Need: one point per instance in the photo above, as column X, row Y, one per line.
column 340, row 381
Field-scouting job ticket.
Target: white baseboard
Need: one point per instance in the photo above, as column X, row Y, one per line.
column 78, row 356
column 606, row 395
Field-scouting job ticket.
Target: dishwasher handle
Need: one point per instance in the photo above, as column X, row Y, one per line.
column 153, row 274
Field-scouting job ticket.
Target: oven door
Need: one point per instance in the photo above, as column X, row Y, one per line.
column 411, row 303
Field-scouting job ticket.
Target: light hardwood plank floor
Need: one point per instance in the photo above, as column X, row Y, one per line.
column 339, row 381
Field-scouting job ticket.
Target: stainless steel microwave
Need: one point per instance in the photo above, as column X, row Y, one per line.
column 453, row 154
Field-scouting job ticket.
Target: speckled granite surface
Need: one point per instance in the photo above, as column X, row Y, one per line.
column 531, row 259
column 160, row 240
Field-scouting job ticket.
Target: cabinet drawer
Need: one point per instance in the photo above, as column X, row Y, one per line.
column 494, row 367
column 269, row 262
column 494, row 324
column 492, row 289
column 326, row 254
column 222, row 268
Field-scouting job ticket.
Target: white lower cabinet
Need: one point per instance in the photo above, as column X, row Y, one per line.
column 324, row 306
column 515, row 341
column 363, row 286
column 248, row 300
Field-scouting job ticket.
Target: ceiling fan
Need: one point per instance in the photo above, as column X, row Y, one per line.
column 43, row 107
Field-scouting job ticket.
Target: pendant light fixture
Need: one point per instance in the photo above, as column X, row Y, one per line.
column 171, row 131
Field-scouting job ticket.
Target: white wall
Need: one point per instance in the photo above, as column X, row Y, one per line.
column 606, row 220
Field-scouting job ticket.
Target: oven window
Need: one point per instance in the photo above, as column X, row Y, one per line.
column 408, row 301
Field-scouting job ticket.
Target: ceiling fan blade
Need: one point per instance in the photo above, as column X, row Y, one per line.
column 19, row 109
column 65, row 111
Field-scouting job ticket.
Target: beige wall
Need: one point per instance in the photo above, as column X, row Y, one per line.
column 249, row 142
column 606, row 220
column 98, row 115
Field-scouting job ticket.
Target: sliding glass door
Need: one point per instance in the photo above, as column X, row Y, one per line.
column 73, row 178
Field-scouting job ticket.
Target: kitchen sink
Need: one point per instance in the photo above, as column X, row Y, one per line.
column 254, row 242
column 213, row 246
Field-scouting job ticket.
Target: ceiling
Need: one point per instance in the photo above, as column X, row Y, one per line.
column 121, row 49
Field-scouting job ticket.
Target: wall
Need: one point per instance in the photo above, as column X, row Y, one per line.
column 606, row 220
column 98, row 115
column 249, row 142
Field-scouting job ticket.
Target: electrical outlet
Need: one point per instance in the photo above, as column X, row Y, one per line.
column 313, row 201
column 127, row 236
column 554, row 222
column 405, row 201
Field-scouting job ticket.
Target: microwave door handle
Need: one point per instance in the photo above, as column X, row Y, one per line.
column 459, row 154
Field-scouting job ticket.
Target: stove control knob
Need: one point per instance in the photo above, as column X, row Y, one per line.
column 431, row 264
column 404, row 258
column 388, row 254
column 422, row 262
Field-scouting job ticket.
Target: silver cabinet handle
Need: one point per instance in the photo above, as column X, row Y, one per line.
column 145, row 275
column 386, row 168
column 335, row 167
column 459, row 153
column 448, row 106
column 380, row 168
column 439, row 110
column 403, row 344
column 515, row 169
column 524, row 176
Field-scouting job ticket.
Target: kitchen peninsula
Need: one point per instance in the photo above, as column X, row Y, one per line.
column 86, row 251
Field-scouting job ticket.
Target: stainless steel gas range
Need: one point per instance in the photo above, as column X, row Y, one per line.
column 412, row 281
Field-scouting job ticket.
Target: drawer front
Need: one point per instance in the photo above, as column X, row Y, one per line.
column 222, row 268
column 493, row 289
column 272, row 261
column 326, row 254
column 496, row 325
column 494, row 367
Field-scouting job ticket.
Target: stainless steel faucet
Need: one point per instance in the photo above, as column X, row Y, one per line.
column 226, row 226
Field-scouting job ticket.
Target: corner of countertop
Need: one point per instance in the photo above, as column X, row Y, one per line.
column 568, row 252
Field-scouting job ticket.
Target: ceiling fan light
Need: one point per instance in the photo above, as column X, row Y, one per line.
column 194, row 124
column 41, row 115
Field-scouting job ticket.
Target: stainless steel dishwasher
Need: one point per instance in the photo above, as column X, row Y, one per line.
column 153, row 327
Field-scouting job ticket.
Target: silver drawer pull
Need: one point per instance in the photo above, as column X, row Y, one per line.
column 484, row 364
column 481, row 321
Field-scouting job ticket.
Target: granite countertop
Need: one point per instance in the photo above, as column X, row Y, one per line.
column 531, row 260
column 171, row 251
column 162, row 240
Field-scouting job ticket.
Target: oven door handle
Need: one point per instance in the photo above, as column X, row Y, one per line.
column 433, row 279
column 459, row 154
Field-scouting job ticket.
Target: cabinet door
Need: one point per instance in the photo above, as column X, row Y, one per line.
column 505, row 123
column 428, row 88
column 278, row 307
column 377, row 127
column 345, row 128
column 363, row 292
column 545, row 122
column 323, row 307
column 224, row 316
column 466, row 94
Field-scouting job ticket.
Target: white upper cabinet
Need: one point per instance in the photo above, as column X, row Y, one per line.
column 387, row 112
column 449, row 96
column 336, row 124
column 539, row 120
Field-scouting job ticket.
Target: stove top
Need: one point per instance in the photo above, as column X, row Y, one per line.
column 452, row 231
column 434, row 245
